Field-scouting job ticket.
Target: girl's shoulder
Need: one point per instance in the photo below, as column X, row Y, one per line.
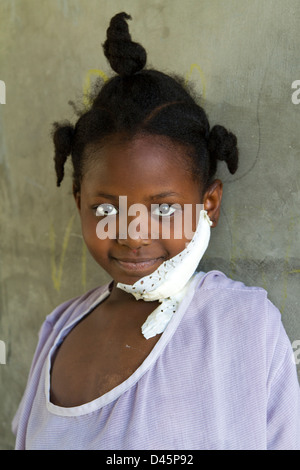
column 222, row 295
column 218, row 280
column 230, row 309
column 72, row 309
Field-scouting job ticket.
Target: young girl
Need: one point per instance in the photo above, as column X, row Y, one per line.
column 163, row 356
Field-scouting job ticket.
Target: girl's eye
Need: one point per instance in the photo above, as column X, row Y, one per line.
column 106, row 209
column 165, row 210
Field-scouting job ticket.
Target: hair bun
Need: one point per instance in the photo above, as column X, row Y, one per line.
column 125, row 56
column 222, row 145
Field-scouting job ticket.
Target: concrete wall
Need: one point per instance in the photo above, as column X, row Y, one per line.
column 242, row 56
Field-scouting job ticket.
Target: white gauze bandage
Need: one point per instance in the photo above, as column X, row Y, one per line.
column 169, row 282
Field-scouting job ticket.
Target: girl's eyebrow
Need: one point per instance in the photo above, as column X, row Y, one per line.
column 107, row 196
column 163, row 195
column 150, row 198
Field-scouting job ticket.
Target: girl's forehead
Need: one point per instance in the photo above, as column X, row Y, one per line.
column 146, row 164
column 141, row 157
column 139, row 146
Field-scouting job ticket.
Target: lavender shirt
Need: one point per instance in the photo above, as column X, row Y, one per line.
column 221, row 376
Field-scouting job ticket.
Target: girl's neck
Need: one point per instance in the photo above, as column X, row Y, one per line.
column 119, row 295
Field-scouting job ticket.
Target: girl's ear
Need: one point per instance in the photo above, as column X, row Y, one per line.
column 212, row 201
column 76, row 194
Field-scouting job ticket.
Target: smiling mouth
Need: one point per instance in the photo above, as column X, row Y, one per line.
column 138, row 265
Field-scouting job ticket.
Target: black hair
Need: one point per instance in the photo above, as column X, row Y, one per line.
column 142, row 101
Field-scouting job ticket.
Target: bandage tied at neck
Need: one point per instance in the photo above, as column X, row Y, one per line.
column 169, row 282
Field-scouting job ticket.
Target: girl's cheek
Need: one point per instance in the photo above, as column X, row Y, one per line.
column 90, row 237
column 89, row 223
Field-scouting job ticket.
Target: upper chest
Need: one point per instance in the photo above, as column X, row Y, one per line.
column 99, row 353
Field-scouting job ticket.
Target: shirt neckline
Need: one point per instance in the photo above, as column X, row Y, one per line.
column 117, row 391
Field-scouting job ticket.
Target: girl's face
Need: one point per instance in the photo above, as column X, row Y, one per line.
column 147, row 170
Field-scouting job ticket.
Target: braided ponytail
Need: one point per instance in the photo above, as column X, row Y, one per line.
column 63, row 139
column 222, row 145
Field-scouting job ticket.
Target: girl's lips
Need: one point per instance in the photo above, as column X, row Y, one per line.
column 138, row 265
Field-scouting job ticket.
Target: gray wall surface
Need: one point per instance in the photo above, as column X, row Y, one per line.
column 242, row 57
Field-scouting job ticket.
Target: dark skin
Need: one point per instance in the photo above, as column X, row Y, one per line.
column 112, row 346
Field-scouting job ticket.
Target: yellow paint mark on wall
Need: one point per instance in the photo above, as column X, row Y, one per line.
column 87, row 84
column 56, row 271
column 201, row 74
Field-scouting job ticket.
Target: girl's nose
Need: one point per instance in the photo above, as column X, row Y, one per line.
column 133, row 244
column 135, row 235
